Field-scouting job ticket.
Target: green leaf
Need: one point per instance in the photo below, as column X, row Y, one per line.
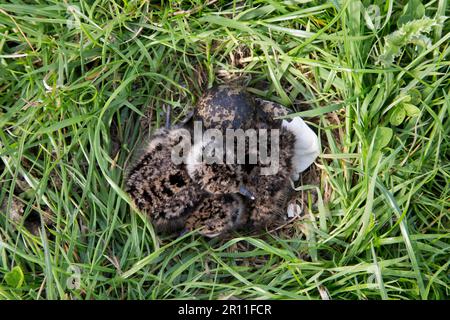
column 407, row 98
column 415, row 95
column 62, row 124
column 411, row 32
column 315, row 112
column 15, row 277
column 382, row 137
column 411, row 110
column 414, row 9
column 375, row 158
column 228, row 23
column 397, row 116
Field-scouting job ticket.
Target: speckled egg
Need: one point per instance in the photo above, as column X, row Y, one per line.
column 268, row 113
column 226, row 107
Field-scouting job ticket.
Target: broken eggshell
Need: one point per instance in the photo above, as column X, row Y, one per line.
column 306, row 145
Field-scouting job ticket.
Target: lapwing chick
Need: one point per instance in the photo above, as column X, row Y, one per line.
column 271, row 191
column 160, row 186
column 216, row 215
column 306, row 146
column 206, row 165
column 298, row 149
column 226, row 107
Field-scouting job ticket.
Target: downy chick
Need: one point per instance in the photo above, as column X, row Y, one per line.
column 271, row 191
column 161, row 187
column 216, row 215
column 306, row 146
column 206, row 165
column 298, row 148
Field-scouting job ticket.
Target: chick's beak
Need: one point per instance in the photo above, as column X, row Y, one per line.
column 246, row 193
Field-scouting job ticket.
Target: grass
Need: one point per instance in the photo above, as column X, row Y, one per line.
column 81, row 81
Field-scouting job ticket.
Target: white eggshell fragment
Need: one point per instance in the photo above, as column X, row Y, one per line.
column 306, row 145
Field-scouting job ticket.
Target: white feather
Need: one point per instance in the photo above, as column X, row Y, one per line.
column 306, row 145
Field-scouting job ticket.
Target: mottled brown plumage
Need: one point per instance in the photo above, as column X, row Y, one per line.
column 161, row 188
column 226, row 107
column 229, row 107
column 271, row 192
column 211, row 171
column 217, row 215
column 218, row 178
